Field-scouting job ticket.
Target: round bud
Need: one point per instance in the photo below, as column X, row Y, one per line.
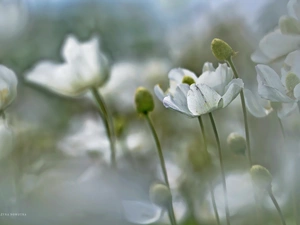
column 198, row 159
column 221, row 50
column 236, row 143
column 291, row 81
column 160, row 195
column 261, row 177
column 187, row 80
column 143, row 100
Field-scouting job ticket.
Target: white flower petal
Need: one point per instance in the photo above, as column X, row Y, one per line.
column 141, row 212
column 254, row 105
column 208, row 66
column 218, row 79
column 289, row 25
column 286, row 109
column 8, row 87
column 284, row 44
column 176, row 76
column 55, row 77
column 291, row 63
column 178, row 101
column 293, row 7
column 269, row 85
column 232, row 90
column 202, row 99
column 159, row 93
column 297, row 92
column 259, row 57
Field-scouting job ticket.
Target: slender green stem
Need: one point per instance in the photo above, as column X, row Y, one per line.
column 230, row 62
column 222, row 167
column 277, row 207
column 212, row 195
column 209, row 182
column 163, row 167
column 108, row 125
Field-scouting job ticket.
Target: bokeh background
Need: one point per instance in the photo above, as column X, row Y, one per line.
column 59, row 173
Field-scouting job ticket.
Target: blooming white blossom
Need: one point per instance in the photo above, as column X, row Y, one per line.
column 8, row 87
column 213, row 90
column 85, row 67
column 285, row 38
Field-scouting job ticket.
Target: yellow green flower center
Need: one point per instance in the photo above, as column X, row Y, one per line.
column 291, row 81
column 188, row 80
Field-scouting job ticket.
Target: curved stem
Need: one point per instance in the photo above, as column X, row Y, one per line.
column 277, row 207
column 222, row 167
column 163, row 167
column 212, row 195
column 209, row 182
column 107, row 123
column 230, row 62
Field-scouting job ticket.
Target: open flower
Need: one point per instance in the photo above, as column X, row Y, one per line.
column 284, row 39
column 193, row 96
column 8, row 87
column 85, row 67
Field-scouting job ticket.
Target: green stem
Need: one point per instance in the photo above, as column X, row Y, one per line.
column 209, row 182
column 277, row 207
column 163, row 167
column 222, row 167
column 230, row 62
column 107, row 123
column 293, row 191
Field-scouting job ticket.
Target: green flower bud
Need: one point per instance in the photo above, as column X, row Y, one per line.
column 261, row 177
column 198, row 159
column 143, row 100
column 187, row 80
column 221, row 50
column 291, row 81
column 160, row 195
column 236, row 143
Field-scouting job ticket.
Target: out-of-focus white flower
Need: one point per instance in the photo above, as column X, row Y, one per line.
column 213, row 90
column 13, row 19
column 284, row 39
column 257, row 106
column 8, row 87
column 85, row 67
column 6, row 139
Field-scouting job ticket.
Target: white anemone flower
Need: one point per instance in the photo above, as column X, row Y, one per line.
column 85, row 67
column 284, row 39
column 213, row 90
column 8, row 87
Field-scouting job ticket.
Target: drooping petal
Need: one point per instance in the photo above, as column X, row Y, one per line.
column 141, row 212
column 269, row 85
column 289, row 25
column 178, row 101
column 284, row 44
column 159, row 93
column 232, row 90
column 176, row 76
column 208, row 66
column 286, row 109
column 202, row 99
column 255, row 106
column 55, row 77
column 218, row 79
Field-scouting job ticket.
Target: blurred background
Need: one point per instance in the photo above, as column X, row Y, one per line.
column 59, row 173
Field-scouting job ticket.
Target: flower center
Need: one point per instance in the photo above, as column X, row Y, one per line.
column 188, row 80
column 291, row 81
column 3, row 95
